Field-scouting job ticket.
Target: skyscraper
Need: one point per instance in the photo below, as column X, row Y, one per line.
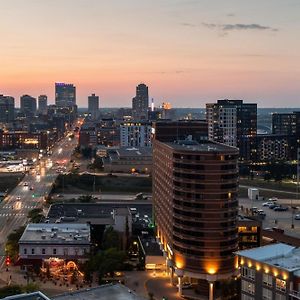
column 7, row 109
column 233, row 123
column 93, row 106
column 65, row 94
column 28, row 105
column 195, row 209
column 43, row 102
column 140, row 103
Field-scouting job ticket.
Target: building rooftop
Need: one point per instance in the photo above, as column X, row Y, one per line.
column 192, row 145
column 278, row 255
column 65, row 233
column 30, row 296
column 104, row 292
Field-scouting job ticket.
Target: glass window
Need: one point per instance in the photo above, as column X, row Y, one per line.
column 54, row 251
column 25, row 251
column 32, row 251
column 246, row 297
column 280, row 297
column 267, row 279
column 248, row 287
column 43, row 251
column 267, row 294
column 248, row 273
column 280, row 284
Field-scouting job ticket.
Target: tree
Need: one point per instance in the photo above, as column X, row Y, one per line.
column 12, row 244
column 35, row 215
column 10, row 290
column 111, row 239
column 86, row 199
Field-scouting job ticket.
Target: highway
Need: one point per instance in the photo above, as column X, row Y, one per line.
column 31, row 191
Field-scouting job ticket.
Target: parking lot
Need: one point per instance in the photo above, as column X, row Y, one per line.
column 280, row 219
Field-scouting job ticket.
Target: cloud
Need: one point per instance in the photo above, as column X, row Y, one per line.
column 227, row 27
column 224, row 29
column 230, row 15
column 188, row 24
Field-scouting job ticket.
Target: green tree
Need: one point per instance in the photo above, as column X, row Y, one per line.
column 12, row 246
column 86, row 199
column 35, row 215
column 10, row 290
column 111, row 239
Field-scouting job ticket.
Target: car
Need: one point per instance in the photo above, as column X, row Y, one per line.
column 297, row 217
column 19, row 198
column 268, row 203
column 272, row 206
column 59, row 196
column 254, row 209
column 186, row 285
column 261, row 212
column 277, row 229
column 274, row 199
column 280, row 208
column 25, row 184
column 31, row 188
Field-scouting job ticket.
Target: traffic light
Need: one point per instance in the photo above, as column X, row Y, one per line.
column 7, row 261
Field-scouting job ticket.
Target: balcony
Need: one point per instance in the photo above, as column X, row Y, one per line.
column 294, row 294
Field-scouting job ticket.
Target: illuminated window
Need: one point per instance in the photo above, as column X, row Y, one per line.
column 248, row 287
column 280, row 284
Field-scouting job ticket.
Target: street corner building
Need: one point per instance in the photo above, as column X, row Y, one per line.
column 195, row 188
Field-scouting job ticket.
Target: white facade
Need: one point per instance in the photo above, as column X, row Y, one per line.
column 68, row 241
column 135, row 134
column 222, row 124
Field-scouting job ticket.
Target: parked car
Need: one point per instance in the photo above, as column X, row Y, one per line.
column 260, row 212
column 254, row 209
column 297, row 217
column 280, row 208
column 277, row 229
column 272, row 206
column 268, row 203
column 274, row 199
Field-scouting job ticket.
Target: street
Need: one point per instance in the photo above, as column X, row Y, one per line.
column 30, row 192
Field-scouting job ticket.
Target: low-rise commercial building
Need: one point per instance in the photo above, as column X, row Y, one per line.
column 63, row 241
column 128, row 160
column 270, row 272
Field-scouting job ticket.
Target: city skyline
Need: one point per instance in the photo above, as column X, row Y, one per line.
column 187, row 52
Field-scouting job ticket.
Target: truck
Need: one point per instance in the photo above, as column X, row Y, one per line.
column 253, row 194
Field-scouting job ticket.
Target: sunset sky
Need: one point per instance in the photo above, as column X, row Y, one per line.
column 188, row 52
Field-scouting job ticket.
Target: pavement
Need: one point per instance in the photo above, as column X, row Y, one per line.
column 15, row 207
column 284, row 218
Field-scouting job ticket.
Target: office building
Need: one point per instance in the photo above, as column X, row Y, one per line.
column 7, row 109
column 65, row 94
column 93, row 106
column 249, row 233
column 288, row 124
column 270, row 272
column 169, row 131
column 273, row 147
column 140, row 103
column 195, row 209
column 233, row 123
column 28, row 105
column 24, row 140
column 42, row 102
column 135, row 134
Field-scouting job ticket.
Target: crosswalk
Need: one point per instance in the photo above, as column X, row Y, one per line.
column 25, row 206
column 12, row 215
